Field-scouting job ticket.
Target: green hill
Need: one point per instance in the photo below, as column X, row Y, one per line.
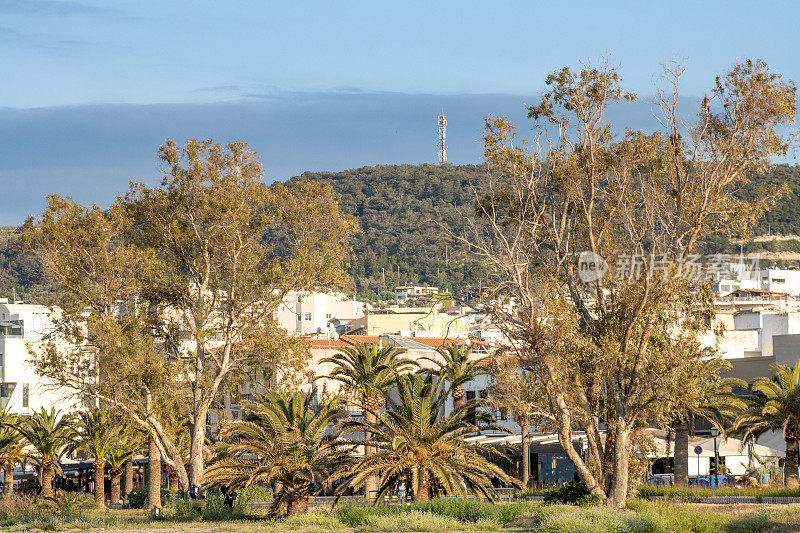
column 402, row 210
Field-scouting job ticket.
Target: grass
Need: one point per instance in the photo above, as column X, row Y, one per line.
column 641, row 516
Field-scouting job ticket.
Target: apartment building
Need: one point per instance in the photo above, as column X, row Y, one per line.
column 306, row 313
column 21, row 389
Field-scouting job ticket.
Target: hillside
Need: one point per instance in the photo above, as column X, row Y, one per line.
column 401, row 209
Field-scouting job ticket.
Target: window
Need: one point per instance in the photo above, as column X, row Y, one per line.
column 308, row 316
column 235, row 415
column 300, row 299
column 25, row 395
column 299, row 317
column 328, row 315
column 778, row 280
column 208, row 419
column 503, row 414
column 2, row 367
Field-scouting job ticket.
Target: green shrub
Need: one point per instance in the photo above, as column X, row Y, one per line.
column 472, row 511
column 356, row 515
column 572, row 493
column 253, row 494
column 568, row 519
column 319, row 520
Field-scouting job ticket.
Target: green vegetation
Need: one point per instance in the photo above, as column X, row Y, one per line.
column 399, row 208
column 687, row 494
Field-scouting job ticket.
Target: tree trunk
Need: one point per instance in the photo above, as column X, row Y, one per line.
column 116, row 485
column 458, row 398
column 296, row 506
column 681, row 455
column 196, row 459
column 47, row 479
column 154, row 476
column 790, row 477
column 8, row 478
column 128, row 478
column 371, row 483
column 100, row 483
column 618, row 495
column 424, row 493
column 526, row 457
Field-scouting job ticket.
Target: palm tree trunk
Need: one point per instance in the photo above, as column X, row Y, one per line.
column 128, row 478
column 458, row 398
column 100, row 483
column 8, row 478
column 372, row 405
column 424, row 493
column 154, row 476
column 296, row 505
column 790, row 477
column 681, row 454
column 116, row 485
column 47, row 479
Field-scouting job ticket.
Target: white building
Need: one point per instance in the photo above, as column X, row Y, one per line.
column 21, row 389
column 765, row 279
column 404, row 292
column 306, row 313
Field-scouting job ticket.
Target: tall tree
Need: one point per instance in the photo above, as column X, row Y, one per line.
column 369, row 371
column 774, row 405
column 50, row 436
column 103, row 346
column 418, row 440
column 285, row 439
column 552, row 218
column 514, row 391
column 230, row 248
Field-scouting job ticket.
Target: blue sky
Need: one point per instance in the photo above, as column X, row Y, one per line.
column 90, row 89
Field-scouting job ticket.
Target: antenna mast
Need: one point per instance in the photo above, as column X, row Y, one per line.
column 442, row 138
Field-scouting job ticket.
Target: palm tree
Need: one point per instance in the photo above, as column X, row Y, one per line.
column 457, row 368
column 281, row 439
column 121, row 450
column 96, row 432
column 774, row 405
column 417, row 440
column 51, row 436
column 703, row 395
column 12, row 449
column 369, row 371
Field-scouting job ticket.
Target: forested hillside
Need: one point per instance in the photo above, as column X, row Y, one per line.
column 401, row 209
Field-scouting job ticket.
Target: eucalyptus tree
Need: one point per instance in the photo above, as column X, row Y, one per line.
column 774, row 405
column 181, row 281
column 416, row 439
column 369, row 371
column 286, row 439
column 592, row 241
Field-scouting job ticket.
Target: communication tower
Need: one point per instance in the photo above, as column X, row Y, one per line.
column 442, row 138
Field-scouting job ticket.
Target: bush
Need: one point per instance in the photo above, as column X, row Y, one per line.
column 137, row 498
column 568, row 519
column 572, row 493
column 422, row 521
column 688, row 493
column 253, row 494
column 472, row 511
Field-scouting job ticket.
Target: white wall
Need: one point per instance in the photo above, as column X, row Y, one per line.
column 16, row 358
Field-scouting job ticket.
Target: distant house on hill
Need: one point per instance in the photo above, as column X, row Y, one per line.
column 404, row 292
